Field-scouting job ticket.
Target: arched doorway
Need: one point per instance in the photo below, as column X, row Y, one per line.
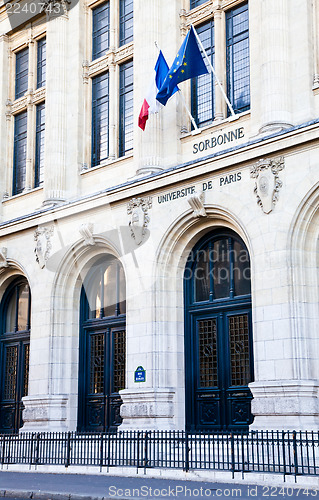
column 102, row 346
column 14, row 354
column 218, row 334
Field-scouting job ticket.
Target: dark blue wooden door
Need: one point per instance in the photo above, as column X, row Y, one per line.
column 105, row 376
column 218, row 335
column 102, row 347
column 15, row 312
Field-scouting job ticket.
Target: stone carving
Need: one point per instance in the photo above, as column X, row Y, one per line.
column 198, row 14
column 267, row 184
column 138, row 208
column 38, row 95
column 3, row 257
column 50, row 7
column 85, row 71
column 86, row 231
column 102, row 63
column 43, row 245
column 196, row 201
column 124, row 52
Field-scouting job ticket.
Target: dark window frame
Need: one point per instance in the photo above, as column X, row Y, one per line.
column 100, row 105
column 19, row 154
column 41, row 63
column 126, row 22
column 125, row 106
column 21, row 72
column 196, row 3
column 233, row 41
column 100, row 30
column 208, row 79
column 39, row 145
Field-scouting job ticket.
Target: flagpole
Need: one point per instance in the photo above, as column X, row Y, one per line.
column 197, row 130
column 214, row 73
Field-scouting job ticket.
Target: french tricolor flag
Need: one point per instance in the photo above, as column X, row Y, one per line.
column 150, row 104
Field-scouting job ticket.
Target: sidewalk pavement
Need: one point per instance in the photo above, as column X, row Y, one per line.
column 45, row 486
column 69, row 486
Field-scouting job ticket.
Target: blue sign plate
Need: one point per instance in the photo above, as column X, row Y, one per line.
column 139, row 374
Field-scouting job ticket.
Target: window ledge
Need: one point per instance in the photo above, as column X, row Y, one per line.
column 20, row 195
column 216, row 125
column 106, row 163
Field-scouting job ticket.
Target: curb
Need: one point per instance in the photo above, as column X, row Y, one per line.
column 47, row 495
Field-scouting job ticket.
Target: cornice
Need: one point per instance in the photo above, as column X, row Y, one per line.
column 243, row 155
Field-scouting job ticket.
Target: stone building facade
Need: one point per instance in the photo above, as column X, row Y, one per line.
column 157, row 279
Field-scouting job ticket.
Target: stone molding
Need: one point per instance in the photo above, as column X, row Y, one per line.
column 267, row 183
column 284, row 400
column 111, row 57
column 45, row 413
column 197, row 15
column 147, row 408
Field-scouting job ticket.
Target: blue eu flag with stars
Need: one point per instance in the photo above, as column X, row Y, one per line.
column 187, row 64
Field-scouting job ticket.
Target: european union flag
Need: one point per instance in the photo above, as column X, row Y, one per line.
column 188, row 64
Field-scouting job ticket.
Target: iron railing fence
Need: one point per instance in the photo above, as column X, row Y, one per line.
column 285, row 452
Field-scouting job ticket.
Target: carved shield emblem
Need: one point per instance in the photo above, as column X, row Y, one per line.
column 267, row 183
column 138, row 210
column 265, row 189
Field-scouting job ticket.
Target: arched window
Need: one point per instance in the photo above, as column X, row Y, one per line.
column 14, row 354
column 102, row 346
column 218, row 336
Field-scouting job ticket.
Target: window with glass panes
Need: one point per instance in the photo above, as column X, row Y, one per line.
column 203, row 85
column 237, row 57
column 39, row 144
column 126, row 21
column 19, row 153
column 195, row 3
column 100, row 118
column 41, row 63
column 101, row 30
column 126, row 108
column 21, row 79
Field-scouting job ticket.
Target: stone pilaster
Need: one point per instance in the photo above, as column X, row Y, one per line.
column 3, row 110
column 275, row 82
column 316, row 43
column 220, row 63
column 56, row 104
column 148, row 145
column 114, row 112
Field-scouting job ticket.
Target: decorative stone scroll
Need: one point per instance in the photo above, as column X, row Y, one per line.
column 267, row 184
column 86, row 231
column 196, row 201
column 3, row 257
column 43, row 245
column 138, row 208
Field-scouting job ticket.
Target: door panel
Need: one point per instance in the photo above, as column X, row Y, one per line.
column 208, row 394
column 240, row 363
column 104, row 377
column 220, row 368
column 15, row 366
